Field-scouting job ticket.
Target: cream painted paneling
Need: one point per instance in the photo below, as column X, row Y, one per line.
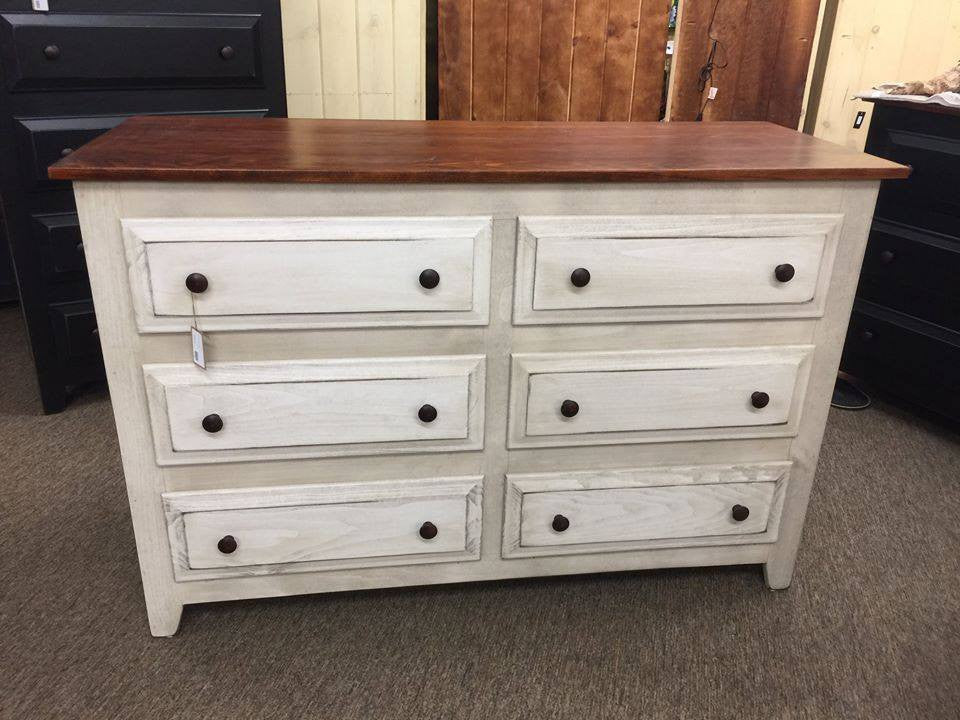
column 354, row 58
column 877, row 41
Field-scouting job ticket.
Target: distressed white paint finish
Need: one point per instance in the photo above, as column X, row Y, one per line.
column 127, row 351
column 308, row 272
column 644, row 396
column 304, row 409
column 645, row 268
column 308, row 527
column 646, row 507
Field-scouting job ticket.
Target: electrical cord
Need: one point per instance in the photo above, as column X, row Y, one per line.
column 706, row 71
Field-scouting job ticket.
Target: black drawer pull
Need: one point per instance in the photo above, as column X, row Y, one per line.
column 95, row 332
column 784, row 273
column 429, row 278
column 212, row 423
column 66, row 151
column 740, row 512
column 427, row 413
column 196, row 282
column 887, row 256
column 560, row 523
column 227, row 52
column 569, row 408
column 580, row 277
column 759, row 399
column 866, row 335
column 227, row 544
column 51, row 52
column 428, row 531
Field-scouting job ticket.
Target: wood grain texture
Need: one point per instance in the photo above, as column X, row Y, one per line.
column 285, row 150
column 553, row 59
column 760, row 65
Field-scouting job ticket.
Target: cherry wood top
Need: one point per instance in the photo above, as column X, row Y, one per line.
column 378, row 151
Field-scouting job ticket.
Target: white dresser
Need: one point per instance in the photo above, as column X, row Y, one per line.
column 442, row 352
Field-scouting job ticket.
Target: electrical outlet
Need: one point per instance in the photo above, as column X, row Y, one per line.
column 40, row 5
column 859, row 121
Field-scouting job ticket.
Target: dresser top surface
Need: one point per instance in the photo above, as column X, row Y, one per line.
column 186, row 149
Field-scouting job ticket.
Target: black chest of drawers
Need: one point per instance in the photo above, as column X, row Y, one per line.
column 76, row 71
column 904, row 335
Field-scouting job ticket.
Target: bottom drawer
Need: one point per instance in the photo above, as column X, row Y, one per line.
column 75, row 330
column 226, row 533
column 584, row 512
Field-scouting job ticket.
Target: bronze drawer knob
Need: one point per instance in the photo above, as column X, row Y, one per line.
column 212, row 423
column 227, row 544
column 569, row 408
column 740, row 513
column 580, row 277
column 784, row 273
column 887, row 256
column 196, row 282
column 428, row 531
column 866, row 335
column 759, row 399
column 66, row 151
column 427, row 413
column 51, row 52
column 560, row 523
column 227, row 52
column 429, row 278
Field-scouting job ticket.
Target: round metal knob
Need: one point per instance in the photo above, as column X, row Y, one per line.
column 866, row 335
column 80, row 248
column 428, row 531
column 427, row 413
column 887, row 256
column 740, row 513
column 560, row 523
column 212, row 423
column 227, row 52
column 196, row 282
column 759, row 399
column 51, row 52
column 65, row 151
column 95, row 332
column 429, row 279
column 227, row 544
column 784, row 273
column 580, row 277
column 569, row 408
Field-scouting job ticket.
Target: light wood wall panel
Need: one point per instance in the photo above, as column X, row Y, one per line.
column 761, row 63
column 354, row 58
column 878, row 41
column 551, row 59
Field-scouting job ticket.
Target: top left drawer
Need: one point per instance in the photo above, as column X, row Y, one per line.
column 74, row 51
column 303, row 272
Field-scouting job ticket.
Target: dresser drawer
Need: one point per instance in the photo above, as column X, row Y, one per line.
column 43, row 141
column 75, row 330
column 58, row 234
column 249, row 411
column 601, row 398
column 135, row 51
column 604, row 511
column 630, row 268
column 304, row 528
column 309, row 272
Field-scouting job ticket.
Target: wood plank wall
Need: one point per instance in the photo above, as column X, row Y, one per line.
column 551, row 59
column 354, row 58
column 878, row 41
column 765, row 46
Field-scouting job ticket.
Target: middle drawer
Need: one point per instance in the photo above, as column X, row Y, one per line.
column 264, row 410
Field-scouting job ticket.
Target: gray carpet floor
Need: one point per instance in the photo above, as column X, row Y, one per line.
column 868, row 630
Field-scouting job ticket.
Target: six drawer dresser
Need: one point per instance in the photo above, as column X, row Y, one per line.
column 442, row 352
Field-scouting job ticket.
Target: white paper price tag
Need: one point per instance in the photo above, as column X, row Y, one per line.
column 197, row 337
column 41, row 5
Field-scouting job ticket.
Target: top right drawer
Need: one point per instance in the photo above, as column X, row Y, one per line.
column 639, row 268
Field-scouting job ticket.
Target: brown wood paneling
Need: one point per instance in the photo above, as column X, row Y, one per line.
column 212, row 149
column 455, row 58
column 760, row 65
column 553, row 59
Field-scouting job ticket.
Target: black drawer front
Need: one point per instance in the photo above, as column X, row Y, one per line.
column 915, row 360
column 913, row 272
column 43, row 141
column 98, row 50
column 59, row 238
column 75, row 330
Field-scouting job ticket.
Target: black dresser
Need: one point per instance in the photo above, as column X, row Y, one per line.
column 76, row 71
column 904, row 335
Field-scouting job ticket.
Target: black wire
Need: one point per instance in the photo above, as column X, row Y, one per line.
column 706, row 71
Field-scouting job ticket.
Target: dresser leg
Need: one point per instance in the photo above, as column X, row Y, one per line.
column 778, row 574
column 164, row 618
